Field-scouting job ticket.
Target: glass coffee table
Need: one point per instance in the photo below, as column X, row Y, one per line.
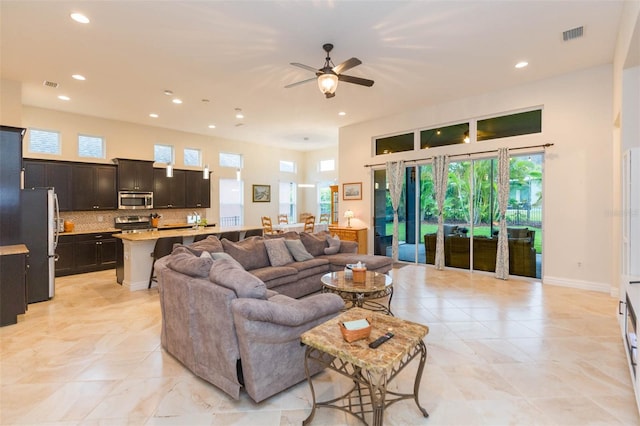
column 360, row 294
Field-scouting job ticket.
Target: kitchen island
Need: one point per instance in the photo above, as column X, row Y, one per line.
column 137, row 255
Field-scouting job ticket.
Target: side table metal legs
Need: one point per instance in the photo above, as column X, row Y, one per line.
column 369, row 393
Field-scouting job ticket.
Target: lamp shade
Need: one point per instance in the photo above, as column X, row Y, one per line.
column 349, row 214
column 328, row 82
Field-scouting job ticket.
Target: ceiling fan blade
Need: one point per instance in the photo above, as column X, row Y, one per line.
column 300, row 82
column 355, row 80
column 303, row 66
column 346, row 65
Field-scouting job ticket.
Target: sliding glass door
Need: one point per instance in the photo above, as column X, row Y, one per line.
column 470, row 214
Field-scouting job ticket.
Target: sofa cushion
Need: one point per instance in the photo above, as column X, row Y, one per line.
column 314, row 243
column 298, row 250
column 189, row 264
column 273, row 276
column 250, row 252
column 334, row 245
column 210, row 244
column 229, row 275
column 315, row 266
column 277, row 251
column 223, row 255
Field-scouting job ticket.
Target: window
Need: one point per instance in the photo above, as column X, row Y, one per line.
column 44, row 141
column 230, row 160
column 287, row 166
column 324, row 198
column 192, row 157
column 396, row 143
column 90, row 146
column 441, row 136
column 287, row 199
column 327, row 165
column 523, row 123
column 163, row 153
column 231, row 202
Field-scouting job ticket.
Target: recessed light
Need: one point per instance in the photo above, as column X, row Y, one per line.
column 212, row 126
column 79, row 77
column 239, row 115
column 168, row 92
column 154, row 115
column 64, row 98
column 522, row 64
column 342, row 113
column 177, row 101
column 79, row 17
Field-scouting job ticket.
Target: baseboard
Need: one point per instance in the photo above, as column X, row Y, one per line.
column 579, row 284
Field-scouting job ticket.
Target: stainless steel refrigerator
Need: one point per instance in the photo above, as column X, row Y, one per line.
column 39, row 231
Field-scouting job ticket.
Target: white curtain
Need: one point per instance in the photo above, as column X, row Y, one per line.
column 440, row 176
column 395, row 177
column 502, row 257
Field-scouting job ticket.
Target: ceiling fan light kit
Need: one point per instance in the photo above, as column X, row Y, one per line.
column 329, row 75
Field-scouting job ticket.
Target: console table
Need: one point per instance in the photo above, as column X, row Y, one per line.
column 370, row 369
column 359, row 235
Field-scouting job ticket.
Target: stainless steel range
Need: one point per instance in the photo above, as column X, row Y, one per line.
column 129, row 224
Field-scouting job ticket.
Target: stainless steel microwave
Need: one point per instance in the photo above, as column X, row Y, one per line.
column 133, row 200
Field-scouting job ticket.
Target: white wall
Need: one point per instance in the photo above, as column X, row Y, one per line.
column 577, row 111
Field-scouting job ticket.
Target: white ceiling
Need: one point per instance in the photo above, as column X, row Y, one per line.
column 237, row 55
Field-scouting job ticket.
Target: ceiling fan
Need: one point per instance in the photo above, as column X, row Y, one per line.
column 329, row 75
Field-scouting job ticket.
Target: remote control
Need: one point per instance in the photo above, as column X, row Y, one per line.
column 380, row 340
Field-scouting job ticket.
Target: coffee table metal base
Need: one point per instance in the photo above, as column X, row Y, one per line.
column 363, row 300
column 369, row 394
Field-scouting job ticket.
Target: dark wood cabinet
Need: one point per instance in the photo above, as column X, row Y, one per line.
column 10, row 172
column 135, row 175
column 53, row 174
column 64, row 255
column 13, row 283
column 94, row 187
column 169, row 192
column 198, row 190
column 85, row 253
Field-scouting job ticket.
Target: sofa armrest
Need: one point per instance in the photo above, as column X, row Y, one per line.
column 286, row 311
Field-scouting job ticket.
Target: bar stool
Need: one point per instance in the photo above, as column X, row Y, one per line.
column 253, row 233
column 233, row 236
column 163, row 247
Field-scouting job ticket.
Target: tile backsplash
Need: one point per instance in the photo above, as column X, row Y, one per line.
column 101, row 220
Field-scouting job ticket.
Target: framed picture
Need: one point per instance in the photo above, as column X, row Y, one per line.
column 261, row 193
column 352, row 191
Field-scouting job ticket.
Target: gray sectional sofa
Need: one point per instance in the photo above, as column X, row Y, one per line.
column 233, row 313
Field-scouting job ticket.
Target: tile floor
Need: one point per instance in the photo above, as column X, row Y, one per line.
column 500, row 353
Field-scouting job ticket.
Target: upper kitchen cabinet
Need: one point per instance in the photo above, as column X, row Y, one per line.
column 198, row 190
column 10, row 172
column 50, row 174
column 134, row 175
column 168, row 192
column 94, row 187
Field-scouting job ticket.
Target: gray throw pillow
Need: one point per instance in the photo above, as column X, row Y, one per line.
column 334, row 245
column 226, row 256
column 210, row 244
column 297, row 250
column 188, row 264
column 315, row 244
column 250, row 252
column 228, row 274
column 277, row 251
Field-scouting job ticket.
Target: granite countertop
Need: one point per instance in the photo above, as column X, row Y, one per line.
column 13, row 249
column 328, row 338
column 181, row 232
column 92, row 231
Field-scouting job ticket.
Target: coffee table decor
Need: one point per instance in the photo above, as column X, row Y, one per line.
column 369, row 369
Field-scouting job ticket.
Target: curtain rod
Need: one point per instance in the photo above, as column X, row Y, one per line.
column 546, row 145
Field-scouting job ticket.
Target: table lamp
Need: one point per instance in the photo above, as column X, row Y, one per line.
column 348, row 214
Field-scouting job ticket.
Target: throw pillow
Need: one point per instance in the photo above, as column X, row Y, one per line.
column 334, row 245
column 277, row 251
column 226, row 256
column 210, row 244
column 297, row 250
column 188, row 264
column 250, row 252
column 314, row 244
column 229, row 275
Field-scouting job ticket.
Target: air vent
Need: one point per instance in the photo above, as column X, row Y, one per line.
column 572, row 33
column 50, row 84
